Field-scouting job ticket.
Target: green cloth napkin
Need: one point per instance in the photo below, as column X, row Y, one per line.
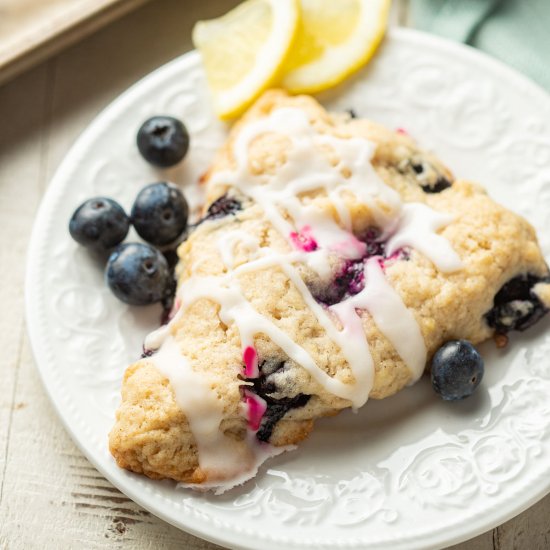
column 514, row 31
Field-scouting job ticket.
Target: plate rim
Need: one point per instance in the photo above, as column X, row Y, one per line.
column 468, row 528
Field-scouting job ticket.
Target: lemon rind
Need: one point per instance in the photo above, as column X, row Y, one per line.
column 231, row 102
column 328, row 71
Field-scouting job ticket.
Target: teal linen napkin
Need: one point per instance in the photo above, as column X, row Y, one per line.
column 514, row 31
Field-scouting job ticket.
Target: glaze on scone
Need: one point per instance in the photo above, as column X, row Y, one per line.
column 256, row 286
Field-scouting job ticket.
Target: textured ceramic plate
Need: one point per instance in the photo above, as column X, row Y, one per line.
column 407, row 472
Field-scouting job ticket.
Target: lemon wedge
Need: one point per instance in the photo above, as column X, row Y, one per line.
column 335, row 38
column 244, row 50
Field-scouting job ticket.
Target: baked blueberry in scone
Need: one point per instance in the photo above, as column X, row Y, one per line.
column 333, row 259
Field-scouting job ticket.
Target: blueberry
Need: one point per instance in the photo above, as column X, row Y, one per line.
column 163, row 141
column 147, row 352
column 351, row 279
column 440, row 184
column 222, row 207
column 159, row 213
column 138, row 274
column 457, row 370
column 516, row 306
column 425, row 174
column 99, row 223
column 276, row 408
column 348, row 281
column 264, row 384
column 372, row 238
column 418, row 168
column 172, row 258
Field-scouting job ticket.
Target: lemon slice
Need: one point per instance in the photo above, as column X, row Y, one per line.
column 335, row 39
column 244, row 50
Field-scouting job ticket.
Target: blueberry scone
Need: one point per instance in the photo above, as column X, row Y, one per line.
column 333, row 259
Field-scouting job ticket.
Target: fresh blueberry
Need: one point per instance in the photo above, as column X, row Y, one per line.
column 99, row 223
column 138, row 274
column 222, row 207
column 159, row 213
column 516, row 306
column 457, row 370
column 163, row 141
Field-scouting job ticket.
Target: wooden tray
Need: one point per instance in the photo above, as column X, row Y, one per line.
column 31, row 30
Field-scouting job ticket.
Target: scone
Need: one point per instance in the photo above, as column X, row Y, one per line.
column 334, row 258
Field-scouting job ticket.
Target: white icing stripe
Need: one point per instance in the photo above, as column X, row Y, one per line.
column 226, row 462
column 155, row 339
column 219, row 456
column 389, row 313
column 356, row 350
column 361, row 364
column 234, row 308
column 227, row 243
column 308, row 169
column 359, row 360
column 262, row 452
column 394, row 320
column 417, row 228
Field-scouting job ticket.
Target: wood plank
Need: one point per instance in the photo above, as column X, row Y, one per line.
column 530, row 530
column 32, row 30
column 21, row 150
column 482, row 542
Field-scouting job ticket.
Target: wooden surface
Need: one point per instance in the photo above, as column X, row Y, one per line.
column 50, row 496
column 31, row 30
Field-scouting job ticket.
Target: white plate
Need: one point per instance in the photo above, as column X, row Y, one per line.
column 408, row 472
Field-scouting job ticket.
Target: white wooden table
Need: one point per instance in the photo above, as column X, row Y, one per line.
column 50, row 495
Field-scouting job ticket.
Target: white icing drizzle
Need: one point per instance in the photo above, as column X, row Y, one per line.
column 417, row 228
column 226, row 462
column 318, row 261
column 308, row 169
column 281, row 196
column 154, row 339
column 361, row 364
column 390, row 315
column 234, row 308
column 203, row 410
column 262, row 452
column 227, row 243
